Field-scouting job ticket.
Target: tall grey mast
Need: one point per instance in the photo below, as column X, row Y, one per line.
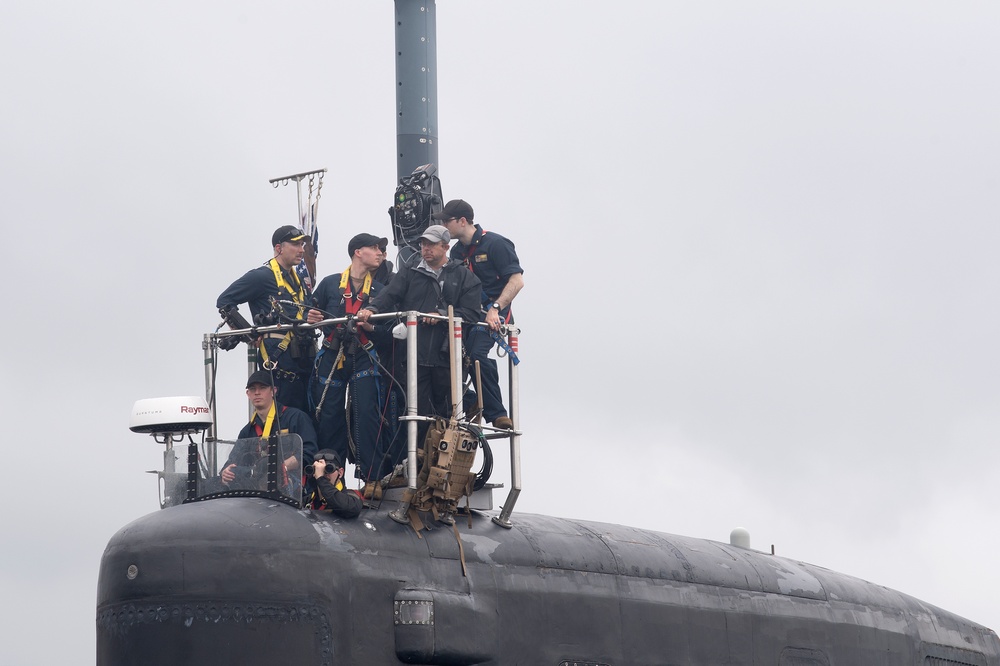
column 416, row 85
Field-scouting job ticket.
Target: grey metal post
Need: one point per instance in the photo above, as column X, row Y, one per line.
column 401, row 513
column 169, row 458
column 455, row 349
column 503, row 519
column 251, row 368
column 411, row 399
column 208, row 346
column 416, row 85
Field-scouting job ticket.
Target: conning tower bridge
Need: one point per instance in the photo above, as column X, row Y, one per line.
column 447, row 473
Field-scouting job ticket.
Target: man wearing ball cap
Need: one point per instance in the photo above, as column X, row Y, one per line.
column 430, row 286
column 329, row 494
column 493, row 259
column 290, row 354
column 348, row 362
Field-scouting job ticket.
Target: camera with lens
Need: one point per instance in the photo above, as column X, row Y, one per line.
column 231, row 315
column 329, row 469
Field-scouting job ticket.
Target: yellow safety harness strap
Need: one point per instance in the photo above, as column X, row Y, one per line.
column 282, row 346
column 352, row 305
column 299, row 296
column 264, row 432
column 345, row 282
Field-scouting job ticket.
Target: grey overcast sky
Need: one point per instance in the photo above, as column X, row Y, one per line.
column 760, row 244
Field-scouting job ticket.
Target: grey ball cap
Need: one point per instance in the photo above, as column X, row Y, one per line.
column 436, row 233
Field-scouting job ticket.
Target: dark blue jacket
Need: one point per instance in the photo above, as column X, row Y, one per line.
column 415, row 288
column 287, row 420
column 254, row 288
column 492, row 258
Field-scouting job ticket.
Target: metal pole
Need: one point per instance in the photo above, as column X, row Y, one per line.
column 251, row 368
column 411, row 399
column 457, row 385
column 208, row 346
column 169, row 459
column 503, row 520
column 416, row 85
column 401, row 513
column 298, row 200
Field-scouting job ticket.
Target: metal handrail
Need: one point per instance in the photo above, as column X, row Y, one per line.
column 411, row 418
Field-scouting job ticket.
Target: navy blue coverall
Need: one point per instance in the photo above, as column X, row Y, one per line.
column 373, row 427
column 291, row 376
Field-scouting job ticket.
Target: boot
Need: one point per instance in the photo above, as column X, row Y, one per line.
column 504, row 423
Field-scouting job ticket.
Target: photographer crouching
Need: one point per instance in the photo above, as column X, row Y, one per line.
column 328, row 491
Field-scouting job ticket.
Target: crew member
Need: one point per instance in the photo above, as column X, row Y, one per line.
column 348, row 362
column 383, row 273
column 328, row 492
column 430, row 286
column 393, row 356
column 269, row 418
column 493, row 259
column 288, row 355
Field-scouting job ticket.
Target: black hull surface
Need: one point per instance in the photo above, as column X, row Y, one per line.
column 249, row 581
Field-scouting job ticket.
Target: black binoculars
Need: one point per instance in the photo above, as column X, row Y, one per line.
column 329, row 469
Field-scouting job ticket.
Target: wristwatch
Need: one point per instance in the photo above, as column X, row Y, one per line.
column 495, row 306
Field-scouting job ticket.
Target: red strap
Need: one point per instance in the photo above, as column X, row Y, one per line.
column 351, row 306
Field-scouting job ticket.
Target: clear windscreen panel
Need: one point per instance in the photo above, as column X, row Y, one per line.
column 247, row 468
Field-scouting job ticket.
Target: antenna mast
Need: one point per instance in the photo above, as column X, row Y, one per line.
column 416, row 85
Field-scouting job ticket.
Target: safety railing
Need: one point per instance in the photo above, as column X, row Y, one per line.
column 210, row 347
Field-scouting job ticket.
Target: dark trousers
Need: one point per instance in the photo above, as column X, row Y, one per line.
column 367, row 428
column 478, row 344
column 391, row 449
column 291, row 377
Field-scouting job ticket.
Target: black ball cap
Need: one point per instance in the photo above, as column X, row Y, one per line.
column 366, row 240
column 285, row 234
column 457, row 208
column 260, row 377
column 330, row 456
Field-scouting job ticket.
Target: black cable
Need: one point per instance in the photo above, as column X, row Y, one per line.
column 487, row 469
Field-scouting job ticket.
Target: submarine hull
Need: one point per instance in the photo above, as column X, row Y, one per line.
column 250, row 581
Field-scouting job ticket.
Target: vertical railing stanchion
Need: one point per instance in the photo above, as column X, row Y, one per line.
column 455, row 349
column 503, row 519
column 251, row 368
column 208, row 346
column 411, row 399
column 401, row 513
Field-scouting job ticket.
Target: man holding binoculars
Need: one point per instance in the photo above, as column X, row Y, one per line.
column 329, row 493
